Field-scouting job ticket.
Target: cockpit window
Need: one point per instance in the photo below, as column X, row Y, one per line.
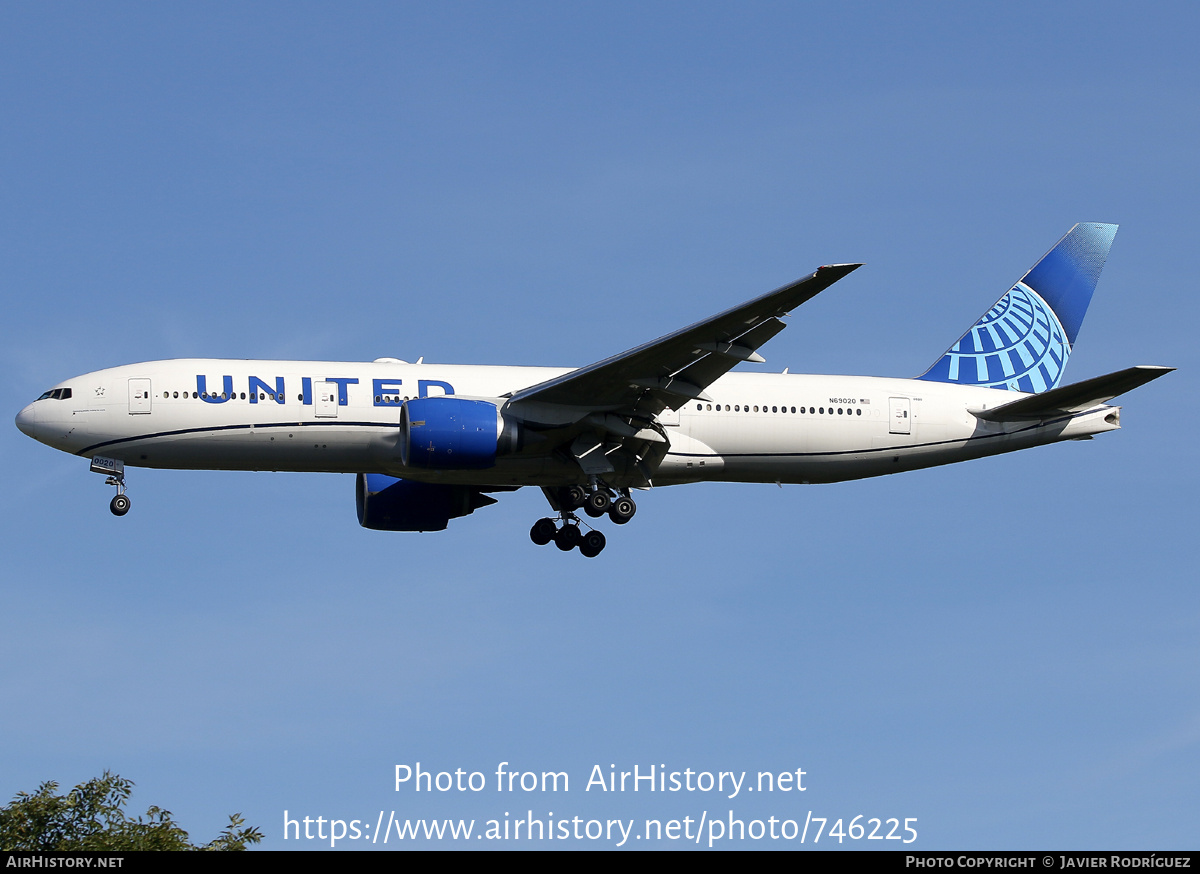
column 57, row 394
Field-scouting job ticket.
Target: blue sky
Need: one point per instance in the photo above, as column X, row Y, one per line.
column 1006, row 649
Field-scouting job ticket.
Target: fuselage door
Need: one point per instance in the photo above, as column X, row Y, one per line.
column 139, row 396
column 899, row 416
column 327, row 399
column 668, row 417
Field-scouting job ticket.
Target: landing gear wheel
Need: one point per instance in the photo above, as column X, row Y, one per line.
column 598, row 503
column 573, row 497
column 119, row 505
column 542, row 531
column 567, row 537
column 622, row 510
column 593, row 543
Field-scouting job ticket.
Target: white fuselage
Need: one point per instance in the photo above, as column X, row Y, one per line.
column 344, row 417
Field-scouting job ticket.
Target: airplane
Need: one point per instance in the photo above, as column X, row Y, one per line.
column 430, row 442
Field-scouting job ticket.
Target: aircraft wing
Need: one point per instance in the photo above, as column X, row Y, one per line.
column 668, row 372
column 1074, row 398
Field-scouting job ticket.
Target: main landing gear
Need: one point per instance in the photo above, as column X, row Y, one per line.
column 115, row 468
column 568, row 537
column 566, row 531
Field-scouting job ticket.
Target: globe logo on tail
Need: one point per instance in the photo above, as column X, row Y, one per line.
column 1019, row 344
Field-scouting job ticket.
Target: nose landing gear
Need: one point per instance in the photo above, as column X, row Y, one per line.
column 115, row 468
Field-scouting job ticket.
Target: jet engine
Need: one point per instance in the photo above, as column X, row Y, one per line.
column 389, row 504
column 449, row 433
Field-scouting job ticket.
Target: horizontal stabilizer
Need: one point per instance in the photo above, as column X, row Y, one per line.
column 1074, row 398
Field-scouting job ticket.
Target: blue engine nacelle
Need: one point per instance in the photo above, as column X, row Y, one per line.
column 449, row 433
column 389, row 504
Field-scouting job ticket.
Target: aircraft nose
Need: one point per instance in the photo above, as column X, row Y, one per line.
column 28, row 420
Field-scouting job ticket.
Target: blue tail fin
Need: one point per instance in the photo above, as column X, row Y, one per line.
column 1023, row 342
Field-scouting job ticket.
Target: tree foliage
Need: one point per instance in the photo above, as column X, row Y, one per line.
column 90, row 817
